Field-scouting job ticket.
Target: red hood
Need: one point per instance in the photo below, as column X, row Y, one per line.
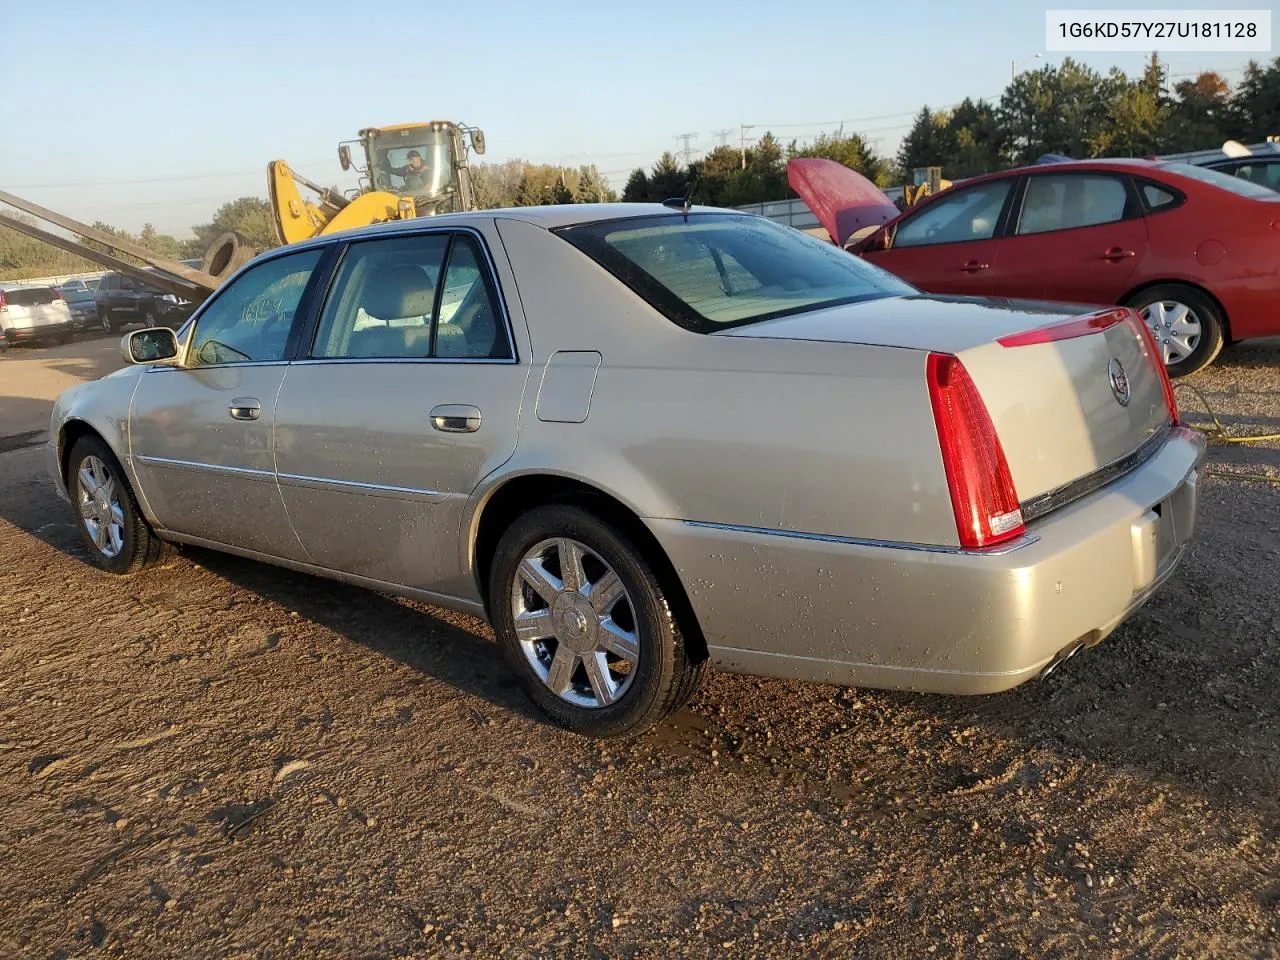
column 843, row 200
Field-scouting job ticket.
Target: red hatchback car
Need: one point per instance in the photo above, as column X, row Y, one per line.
column 1195, row 251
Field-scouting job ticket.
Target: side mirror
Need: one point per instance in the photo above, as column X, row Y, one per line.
column 477, row 142
column 344, row 156
column 152, row 345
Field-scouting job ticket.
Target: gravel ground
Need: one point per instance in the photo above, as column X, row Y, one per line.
column 222, row 759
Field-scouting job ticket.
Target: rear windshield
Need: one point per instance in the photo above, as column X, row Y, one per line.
column 1219, row 179
column 711, row 271
column 30, row 296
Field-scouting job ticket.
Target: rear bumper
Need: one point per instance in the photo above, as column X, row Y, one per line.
column 45, row 331
column 939, row 620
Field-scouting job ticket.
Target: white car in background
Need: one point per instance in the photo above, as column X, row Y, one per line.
column 29, row 314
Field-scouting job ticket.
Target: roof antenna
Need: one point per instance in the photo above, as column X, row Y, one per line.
column 683, row 203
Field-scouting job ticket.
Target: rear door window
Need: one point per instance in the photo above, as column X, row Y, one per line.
column 1068, row 201
column 389, row 303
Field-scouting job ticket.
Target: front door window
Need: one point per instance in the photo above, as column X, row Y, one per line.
column 250, row 320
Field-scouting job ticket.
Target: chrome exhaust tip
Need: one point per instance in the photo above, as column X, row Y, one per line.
column 1063, row 656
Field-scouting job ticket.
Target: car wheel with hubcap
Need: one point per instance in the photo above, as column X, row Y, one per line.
column 149, row 317
column 585, row 623
column 104, row 321
column 110, row 523
column 1186, row 324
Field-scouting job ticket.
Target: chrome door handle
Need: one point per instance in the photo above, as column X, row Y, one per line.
column 1117, row 253
column 245, row 408
column 456, row 418
column 973, row 266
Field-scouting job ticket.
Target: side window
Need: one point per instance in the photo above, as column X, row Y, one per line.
column 1157, row 198
column 250, row 320
column 382, row 300
column 1263, row 174
column 389, row 302
column 1067, row 201
column 967, row 214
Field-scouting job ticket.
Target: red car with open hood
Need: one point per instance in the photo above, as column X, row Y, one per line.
column 1195, row 251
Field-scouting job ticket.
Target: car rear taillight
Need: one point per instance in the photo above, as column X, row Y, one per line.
column 982, row 494
column 1153, row 355
column 3, row 303
column 1065, row 329
column 57, row 295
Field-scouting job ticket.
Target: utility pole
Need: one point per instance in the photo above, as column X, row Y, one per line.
column 686, row 151
column 742, row 143
column 1013, row 66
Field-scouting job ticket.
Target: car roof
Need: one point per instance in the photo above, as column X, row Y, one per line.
column 1112, row 164
column 549, row 217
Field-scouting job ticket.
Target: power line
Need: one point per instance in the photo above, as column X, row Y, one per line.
column 225, row 174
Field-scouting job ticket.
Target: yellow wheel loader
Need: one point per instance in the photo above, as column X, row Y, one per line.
column 410, row 170
column 394, row 185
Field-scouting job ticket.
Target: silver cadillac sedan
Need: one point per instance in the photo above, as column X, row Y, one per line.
column 639, row 439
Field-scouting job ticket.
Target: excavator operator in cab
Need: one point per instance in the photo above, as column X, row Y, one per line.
column 415, row 173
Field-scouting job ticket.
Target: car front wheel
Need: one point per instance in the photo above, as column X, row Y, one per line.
column 111, row 525
column 1187, row 326
column 584, row 622
column 104, row 321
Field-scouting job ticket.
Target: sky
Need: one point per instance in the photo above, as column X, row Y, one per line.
column 145, row 111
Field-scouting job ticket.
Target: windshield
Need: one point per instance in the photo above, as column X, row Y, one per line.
column 414, row 163
column 1219, row 179
column 712, row 271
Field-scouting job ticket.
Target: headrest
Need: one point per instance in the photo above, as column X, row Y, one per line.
column 398, row 290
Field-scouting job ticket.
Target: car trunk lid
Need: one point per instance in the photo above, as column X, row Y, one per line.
column 1074, row 395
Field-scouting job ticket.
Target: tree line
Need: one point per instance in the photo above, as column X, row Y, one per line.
column 1068, row 109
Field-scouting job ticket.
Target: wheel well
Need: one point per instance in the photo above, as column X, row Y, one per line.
column 72, row 431
column 1222, row 311
column 522, row 494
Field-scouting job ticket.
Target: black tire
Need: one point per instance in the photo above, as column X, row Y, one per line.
column 664, row 677
column 140, row 548
column 1212, row 327
column 149, row 318
column 227, row 254
column 106, row 323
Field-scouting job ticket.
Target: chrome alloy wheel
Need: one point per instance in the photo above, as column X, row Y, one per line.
column 1175, row 327
column 98, row 499
column 575, row 623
